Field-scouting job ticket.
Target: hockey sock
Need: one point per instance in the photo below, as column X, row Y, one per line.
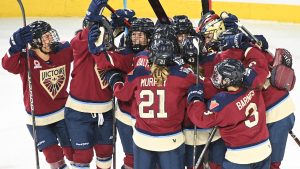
column 104, row 155
column 68, row 152
column 83, row 156
column 128, row 161
column 275, row 165
column 53, row 154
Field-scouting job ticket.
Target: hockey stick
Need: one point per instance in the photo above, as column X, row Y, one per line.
column 159, row 12
column 112, row 10
column 211, row 136
column 247, row 33
column 206, row 6
column 114, row 134
column 295, row 137
column 30, row 92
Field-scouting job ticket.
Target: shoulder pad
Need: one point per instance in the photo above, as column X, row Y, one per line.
column 63, row 45
column 124, row 51
column 143, row 53
column 137, row 72
column 180, row 71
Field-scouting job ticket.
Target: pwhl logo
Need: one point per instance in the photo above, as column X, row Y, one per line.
column 53, row 80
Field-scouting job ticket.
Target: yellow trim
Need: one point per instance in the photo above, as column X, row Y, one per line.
column 192, row 8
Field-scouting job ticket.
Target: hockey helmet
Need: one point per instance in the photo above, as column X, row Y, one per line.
column 229, row 72
column 183, row 25
column 162, row 52
column 191, row 49
column 144, row 25
column 40, row 28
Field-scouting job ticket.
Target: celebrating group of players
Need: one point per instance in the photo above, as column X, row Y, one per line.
column 166, row 79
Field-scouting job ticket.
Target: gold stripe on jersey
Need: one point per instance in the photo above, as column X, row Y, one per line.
column 87, row 107
column 157, row 143
column 103, row 164
column 250, row 154
column 202, row 136
column 280, row 110
column 47, row 119
column 123, row 117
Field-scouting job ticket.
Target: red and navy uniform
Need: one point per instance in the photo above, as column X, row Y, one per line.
column 89, row 108
column 49, row 82
column 159, row 110
column 89, row 92
column 241, row 118
column 280, row 118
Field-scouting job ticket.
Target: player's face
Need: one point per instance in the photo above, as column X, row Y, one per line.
column 208, row 37
column 181, row 37
column 47, row 39
column 139, row 38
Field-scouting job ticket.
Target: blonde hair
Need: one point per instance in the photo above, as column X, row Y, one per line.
column 160, row 74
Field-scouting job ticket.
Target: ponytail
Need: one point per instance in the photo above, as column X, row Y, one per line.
column 160, row 74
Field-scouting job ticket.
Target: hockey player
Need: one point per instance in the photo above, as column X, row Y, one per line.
column 183, row 27
column 158, row 107
column 280, row 113
column 240, row 115
column 49, row 62
column 191, row 48
column 89, row 107
column 139, row 36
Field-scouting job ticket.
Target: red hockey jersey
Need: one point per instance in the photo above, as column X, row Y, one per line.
column 49, row 82
column 159, row 110
column 241, row 118
column 89, row 92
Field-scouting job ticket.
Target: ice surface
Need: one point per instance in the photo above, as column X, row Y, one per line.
column 16, row 145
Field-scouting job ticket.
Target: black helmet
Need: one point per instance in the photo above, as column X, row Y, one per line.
column 38, row 29
column 162, row 52
column 229, row 72
column 183, row 25
column 191, row 49
column 167, row 32
column 145, row 25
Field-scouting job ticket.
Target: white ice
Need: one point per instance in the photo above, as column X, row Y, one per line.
column 16, row 144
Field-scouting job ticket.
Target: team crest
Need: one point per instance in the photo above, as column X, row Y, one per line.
column 213, row 104
column 53, row 80
column 100, row 75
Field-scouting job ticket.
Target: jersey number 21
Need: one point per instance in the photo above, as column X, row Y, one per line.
column 150, row 101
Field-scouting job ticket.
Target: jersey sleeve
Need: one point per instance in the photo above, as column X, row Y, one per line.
column 258, row 69
column 15, row 63
column 210, row 114
column 121, row 60
column 125, row 92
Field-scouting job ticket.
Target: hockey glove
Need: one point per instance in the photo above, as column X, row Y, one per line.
column 93, row 36
column 117, row 19
column 287, row 59
column 112, row 77
column 19, row 39
column 95, row 10
column 230, row 21
column 240, row 41
column 195, row 93
column 263, row 42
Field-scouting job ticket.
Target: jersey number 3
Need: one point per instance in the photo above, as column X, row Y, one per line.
column 150, row 101
column 251, row 110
